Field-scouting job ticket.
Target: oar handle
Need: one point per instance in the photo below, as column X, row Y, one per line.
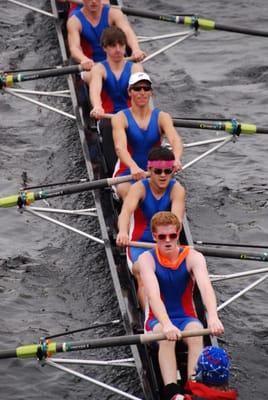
column 154, row 337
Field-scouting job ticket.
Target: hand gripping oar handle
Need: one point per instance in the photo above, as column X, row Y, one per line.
column 45, row 349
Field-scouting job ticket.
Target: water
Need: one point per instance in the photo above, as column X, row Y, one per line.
column 52, row 279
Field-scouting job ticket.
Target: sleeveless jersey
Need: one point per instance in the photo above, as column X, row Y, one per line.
column 114, row 93
column 90, row 35
column 139, row 141
column 176, row 289
column 141, row 219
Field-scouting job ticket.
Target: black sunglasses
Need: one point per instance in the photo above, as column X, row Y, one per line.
column 167, row 171
column 139, row 88
column 163, row 236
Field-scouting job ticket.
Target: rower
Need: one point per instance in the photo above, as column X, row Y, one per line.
column 211, row 378
column 85, row 27
column 168, row 273
column 138, row 129
column 108, row 87
column 160, row 192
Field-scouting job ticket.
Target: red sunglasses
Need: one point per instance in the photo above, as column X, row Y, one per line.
column 163, row 236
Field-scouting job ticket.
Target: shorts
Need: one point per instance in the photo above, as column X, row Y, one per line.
column 180, row 323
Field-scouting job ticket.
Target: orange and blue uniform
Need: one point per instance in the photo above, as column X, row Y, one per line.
column 176, row 289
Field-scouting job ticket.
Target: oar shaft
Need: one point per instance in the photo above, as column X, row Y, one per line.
column 193, row 21
column 30, row 197
column 214, row 252
column 33, row 349
column 227, row 126
column 10, row 79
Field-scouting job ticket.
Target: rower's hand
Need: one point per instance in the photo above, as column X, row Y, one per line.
column 171, row 331
column 215, row 325
column 137, row 173
column 138, row 55
column 97, row 113
column 122, row 239
column 87, row 64
column 177, row 165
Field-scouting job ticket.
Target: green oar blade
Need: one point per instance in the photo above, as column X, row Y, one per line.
column 12, row 201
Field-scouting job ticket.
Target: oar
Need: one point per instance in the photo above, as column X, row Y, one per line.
column 26, row 198
column 230, row 126
column 7, row 80
column 249, row 246
column 193, row 21
column 213, row 252
column 43, row 349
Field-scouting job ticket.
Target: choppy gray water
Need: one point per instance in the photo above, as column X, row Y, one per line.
column 52, row 279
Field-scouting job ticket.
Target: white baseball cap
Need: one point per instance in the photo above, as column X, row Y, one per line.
column 137, row 77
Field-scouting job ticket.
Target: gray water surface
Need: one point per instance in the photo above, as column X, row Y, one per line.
column 52, row 280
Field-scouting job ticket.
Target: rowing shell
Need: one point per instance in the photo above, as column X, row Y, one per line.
column 145, row 356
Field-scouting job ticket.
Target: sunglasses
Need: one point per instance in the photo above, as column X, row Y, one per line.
column 139, row 88
column 159, row 171
column 171, row 236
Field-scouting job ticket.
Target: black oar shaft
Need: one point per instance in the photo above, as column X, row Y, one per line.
column 193, row 21
column 235, row 254
column 231, row 126
column 9, row 79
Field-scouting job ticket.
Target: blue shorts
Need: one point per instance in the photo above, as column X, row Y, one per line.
column 180, row 323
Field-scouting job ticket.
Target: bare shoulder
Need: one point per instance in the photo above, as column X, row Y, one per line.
column 146, row 260
column 136, row 67
column 98, row 69
column 73, row 23
column 164, row 116
column 195, row 259
column 116, row 14
column 119, row 120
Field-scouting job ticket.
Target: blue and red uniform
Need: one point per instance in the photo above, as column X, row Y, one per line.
column 141, row 219
column 203, row 392
column 139, row 141
column 176, row 289
column 73, row 7
column 114, row 93
column 90, row 35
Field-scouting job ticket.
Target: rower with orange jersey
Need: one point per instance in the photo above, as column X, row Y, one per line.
column 168, row 273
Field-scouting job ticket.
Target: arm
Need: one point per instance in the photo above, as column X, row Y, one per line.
column 152, row 291
column 74, row 41
column 197, row 264
column 167, row 129
column 119, row 126
column 95, row 88
column 120, row 20
column 178, row 200
column 135, row 194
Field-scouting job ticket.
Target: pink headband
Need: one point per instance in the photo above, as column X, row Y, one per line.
column 160, row 164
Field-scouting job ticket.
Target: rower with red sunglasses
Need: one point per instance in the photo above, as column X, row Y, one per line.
column 138, row 129
column 168, row 273
column 160, row 192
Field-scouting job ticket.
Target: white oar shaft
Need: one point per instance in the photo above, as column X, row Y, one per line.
column 143, row 39
column 38, row 103
column 216, row 278
column 167, row 47
column 18, row 3
column 92, row 380
column 239, row 294
column 210, row 151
